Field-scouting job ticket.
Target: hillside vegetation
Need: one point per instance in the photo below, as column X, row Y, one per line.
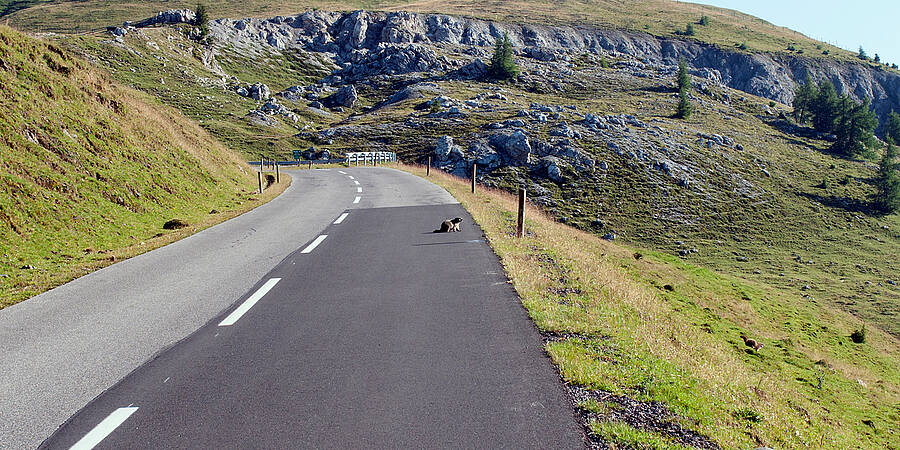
column 90, row 171
column 727, row 28
column 627, row 327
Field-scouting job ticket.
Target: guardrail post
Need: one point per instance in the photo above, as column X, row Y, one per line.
column 474, row 175
column 520, row 222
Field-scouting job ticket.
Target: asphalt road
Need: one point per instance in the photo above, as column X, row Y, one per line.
column 260, row 333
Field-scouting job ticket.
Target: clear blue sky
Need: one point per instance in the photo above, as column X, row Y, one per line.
column 873, row 24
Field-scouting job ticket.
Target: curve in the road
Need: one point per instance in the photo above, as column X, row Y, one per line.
column 66, row 346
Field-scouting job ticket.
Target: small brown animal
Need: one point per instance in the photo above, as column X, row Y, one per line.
column 751, row 343
column 449, row 225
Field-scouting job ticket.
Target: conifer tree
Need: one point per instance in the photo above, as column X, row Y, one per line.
column 684, row 77
column 892, row 128
column 825, row 107
column 684, row 108
column 887, row 182
column 503, row 66
column 854, row 127
column 804, row 101
column 202, row 20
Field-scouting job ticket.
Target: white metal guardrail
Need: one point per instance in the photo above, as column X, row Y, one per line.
column 354, row 158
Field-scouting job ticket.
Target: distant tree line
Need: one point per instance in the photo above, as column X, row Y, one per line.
column 853, row 125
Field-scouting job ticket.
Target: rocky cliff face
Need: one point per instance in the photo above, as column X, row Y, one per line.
column 363, row 44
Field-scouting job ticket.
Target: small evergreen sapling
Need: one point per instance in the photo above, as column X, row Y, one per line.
column 503, row 66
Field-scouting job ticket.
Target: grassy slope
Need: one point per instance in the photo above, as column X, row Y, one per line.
column 659, row 17
column 164, row 63
column 90, row 170
column 628, row 335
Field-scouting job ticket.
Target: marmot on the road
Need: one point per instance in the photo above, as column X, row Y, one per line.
column 449, row 225
column 751, row 343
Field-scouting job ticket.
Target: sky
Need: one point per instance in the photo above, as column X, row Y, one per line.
column 873, row 24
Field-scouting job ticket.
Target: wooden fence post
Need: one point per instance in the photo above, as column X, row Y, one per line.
column 259, row 176
column 520, row 223
column 277, row 174
column 474, row 175
column 428, row 167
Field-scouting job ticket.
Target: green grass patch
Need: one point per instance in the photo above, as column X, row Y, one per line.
column 623, row 436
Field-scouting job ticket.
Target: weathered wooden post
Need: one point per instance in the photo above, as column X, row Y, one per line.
column 277, row 174
column 520, row 223
column 259, row 176
column 474, row 175
column 428, row 167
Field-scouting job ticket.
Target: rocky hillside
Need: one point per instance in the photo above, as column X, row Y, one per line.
column 364, row 44
column 88, row 168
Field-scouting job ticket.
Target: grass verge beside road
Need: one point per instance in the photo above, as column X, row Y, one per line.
column 632, row 329
column 44, row 278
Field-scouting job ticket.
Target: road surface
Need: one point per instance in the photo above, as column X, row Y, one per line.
column 330, row 317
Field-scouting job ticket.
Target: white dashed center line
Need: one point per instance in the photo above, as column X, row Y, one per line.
column 342, row 172
column 241, row 310
column 341, row 218
column 356, row 200
column 312, row 246
column 104, row 428
column 359, row 190
column 351, row 177
column 356, row 182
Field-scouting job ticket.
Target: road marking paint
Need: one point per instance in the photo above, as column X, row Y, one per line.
column 241, row 310
column 314, row 244
column 341, row 218
column 359, row 190
column 351, row 177
column 356, row 182
column 356, row 200
column 342, row 172
column 104, row 428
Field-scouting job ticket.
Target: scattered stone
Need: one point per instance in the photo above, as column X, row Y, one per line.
column 346, row 96
column 609, row 236
column 259, row 91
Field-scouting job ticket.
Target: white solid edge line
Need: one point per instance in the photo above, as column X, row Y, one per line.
column 104, row 428
column 314, row 244
column 356, row 200
column 241, row 310
column 359, row 189
column 341, row 218
column 342, row 172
